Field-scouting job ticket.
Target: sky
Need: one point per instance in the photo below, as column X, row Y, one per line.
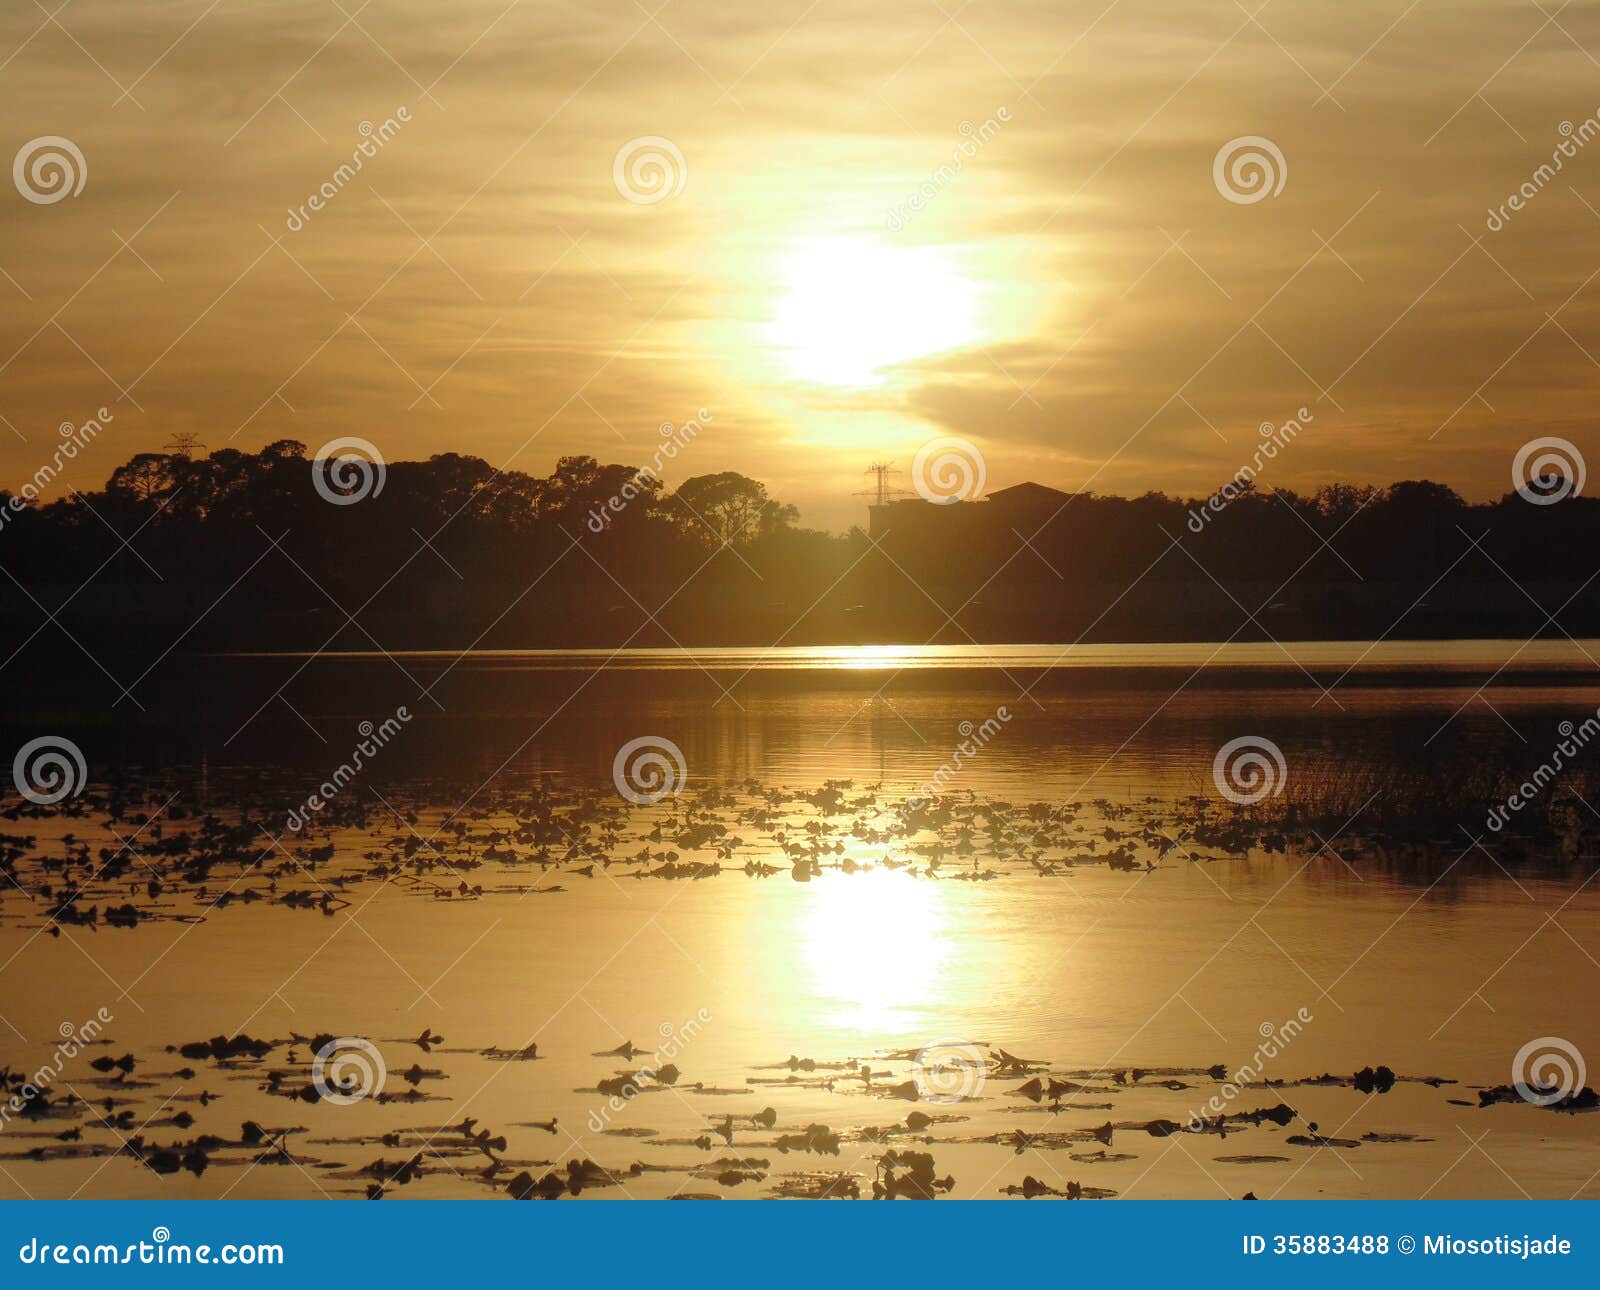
column 827, row 231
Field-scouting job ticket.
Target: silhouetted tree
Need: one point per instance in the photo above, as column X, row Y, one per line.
column 455, row 544
column 729, row 509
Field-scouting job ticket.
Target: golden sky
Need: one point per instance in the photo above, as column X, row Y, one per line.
column 1077, row 296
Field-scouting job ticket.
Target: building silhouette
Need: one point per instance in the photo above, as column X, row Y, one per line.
column 1024, row 507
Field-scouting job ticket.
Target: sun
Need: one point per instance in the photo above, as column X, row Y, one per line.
column 852, row 307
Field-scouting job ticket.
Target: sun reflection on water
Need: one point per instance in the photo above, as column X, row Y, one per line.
column 875, row 943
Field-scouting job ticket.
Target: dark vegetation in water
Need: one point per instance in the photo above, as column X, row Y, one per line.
column 137, row 1109
column 189, row 863
column 163, row 855
column 1418, row 819
column 452, row 552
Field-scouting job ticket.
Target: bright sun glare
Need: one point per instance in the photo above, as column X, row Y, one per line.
column 853, row 306
column 873, row 944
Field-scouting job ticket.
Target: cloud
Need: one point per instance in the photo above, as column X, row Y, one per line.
column 485, row 257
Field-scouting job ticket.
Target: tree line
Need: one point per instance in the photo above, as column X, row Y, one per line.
column 593, row 548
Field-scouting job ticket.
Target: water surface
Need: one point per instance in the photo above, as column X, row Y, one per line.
column 1441, row 969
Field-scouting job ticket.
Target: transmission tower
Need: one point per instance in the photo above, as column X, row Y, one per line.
column 882, row 492
column 182, row 445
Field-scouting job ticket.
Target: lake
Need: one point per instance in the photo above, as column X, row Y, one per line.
column 1016, row 861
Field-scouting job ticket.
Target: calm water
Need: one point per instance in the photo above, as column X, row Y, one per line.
column 1426, row 656
column 1091, row 970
